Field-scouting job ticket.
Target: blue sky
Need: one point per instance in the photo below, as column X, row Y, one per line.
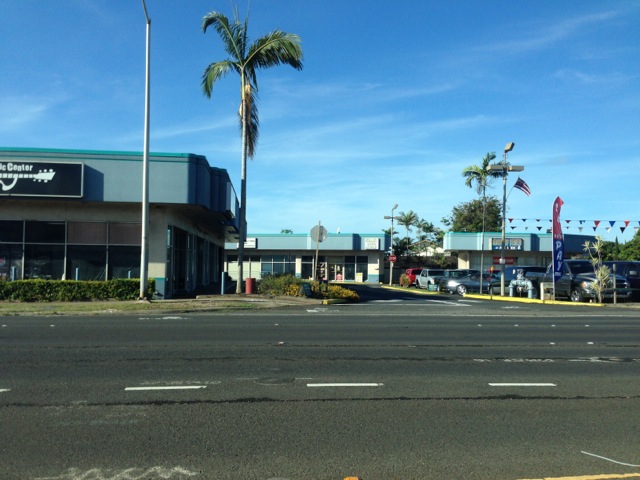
column 394, row 101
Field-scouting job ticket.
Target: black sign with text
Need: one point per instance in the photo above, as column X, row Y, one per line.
column 41, row 179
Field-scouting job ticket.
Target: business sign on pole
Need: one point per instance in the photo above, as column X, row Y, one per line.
column 41, row 179
column 558, row 239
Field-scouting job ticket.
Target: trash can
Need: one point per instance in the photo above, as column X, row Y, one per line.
column 250, row 286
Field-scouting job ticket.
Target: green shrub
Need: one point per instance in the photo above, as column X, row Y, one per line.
column 279, row 285
column 71, row 290
column 290, row 285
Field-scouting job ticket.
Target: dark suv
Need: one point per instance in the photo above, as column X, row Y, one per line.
column 630, row 271
column 576, row 282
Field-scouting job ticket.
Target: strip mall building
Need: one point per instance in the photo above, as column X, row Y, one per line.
column 341, row 257
column 69, row 214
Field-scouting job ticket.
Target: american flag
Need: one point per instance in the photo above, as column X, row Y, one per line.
column 522, row 185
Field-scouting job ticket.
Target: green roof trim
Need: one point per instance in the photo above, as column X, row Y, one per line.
column 94, row 152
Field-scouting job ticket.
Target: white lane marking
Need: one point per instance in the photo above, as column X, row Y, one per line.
column 610, row 460
column 2, row 390
column 522, row 384
column 325, row 385
column 183, row 387
column 130, row 473
column 448, row 302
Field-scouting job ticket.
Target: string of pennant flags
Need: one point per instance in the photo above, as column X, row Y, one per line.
column 579, row 225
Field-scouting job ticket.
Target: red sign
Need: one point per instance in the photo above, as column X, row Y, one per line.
column 392, row 258
column 507, row 260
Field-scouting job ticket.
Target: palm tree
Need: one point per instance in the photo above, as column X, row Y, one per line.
column 481, row 175
column 245, row 59
column 425, row 228
column 408, row 220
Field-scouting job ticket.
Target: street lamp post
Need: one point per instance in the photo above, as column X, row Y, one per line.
column 391, row 244
column 505, row 168
column 144, row 247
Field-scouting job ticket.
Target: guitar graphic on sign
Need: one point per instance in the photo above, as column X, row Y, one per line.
column 42, row 176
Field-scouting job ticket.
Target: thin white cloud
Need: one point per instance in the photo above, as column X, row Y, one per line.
column 550, row 35
column 609, row 78
column 21, row 111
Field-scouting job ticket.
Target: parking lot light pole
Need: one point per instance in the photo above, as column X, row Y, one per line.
column 144, row 247
column 391, row 244
column 505, row 168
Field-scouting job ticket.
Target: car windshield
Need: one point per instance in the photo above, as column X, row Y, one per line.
column 581, row 267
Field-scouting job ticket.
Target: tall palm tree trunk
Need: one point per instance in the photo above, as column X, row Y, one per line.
column 243, row 193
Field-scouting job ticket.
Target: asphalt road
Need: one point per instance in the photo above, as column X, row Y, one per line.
column 402, row 386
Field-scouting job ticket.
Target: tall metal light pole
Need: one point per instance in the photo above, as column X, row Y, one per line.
column 391, row 262
column 505, row 168
column 144, row 244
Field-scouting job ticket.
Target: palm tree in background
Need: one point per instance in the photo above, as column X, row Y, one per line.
column 246, row 59
column 407, row 220
column 425, row 228
column 481, row 176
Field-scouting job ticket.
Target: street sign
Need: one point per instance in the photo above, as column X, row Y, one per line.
column 318, row 234
column 392, row 258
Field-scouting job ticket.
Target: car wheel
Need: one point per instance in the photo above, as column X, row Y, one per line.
column 576, row 295
column 461, row 289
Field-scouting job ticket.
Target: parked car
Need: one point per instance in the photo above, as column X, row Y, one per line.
column 463, row 283
column 429, row 276
column 576, row 282
column 459, row 272
column 630, row 271
column 531, row 273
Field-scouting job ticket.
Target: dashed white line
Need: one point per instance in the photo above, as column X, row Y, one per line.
column 609, row 459
column 522, row 385
column 181, row 387
column 2, row 390
column 327, row 385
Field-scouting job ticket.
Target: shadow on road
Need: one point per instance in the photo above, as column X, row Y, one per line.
column 373, row 292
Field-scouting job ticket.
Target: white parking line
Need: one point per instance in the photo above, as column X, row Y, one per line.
column 522, row 385
column 183, row 387
column 326, row 385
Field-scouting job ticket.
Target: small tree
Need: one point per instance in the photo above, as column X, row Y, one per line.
column 603, row 279
column 467, row 216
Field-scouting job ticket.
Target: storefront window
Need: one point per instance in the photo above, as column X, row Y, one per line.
column 44, row 261
column 44, row 232
column 124, row 262
column 362, row 268
column 11, row 231
column 125, row 233
column 86, row 262
column 10, row 262
column 87, row 233
column 277, row 265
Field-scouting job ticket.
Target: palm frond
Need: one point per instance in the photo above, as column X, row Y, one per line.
column 213, row 73
column 276, row 48
column 233, row 35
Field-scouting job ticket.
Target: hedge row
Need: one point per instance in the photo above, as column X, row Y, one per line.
column 69, row 290
column 292, row 286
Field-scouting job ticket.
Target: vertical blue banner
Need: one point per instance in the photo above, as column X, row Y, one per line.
column 558, row 240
